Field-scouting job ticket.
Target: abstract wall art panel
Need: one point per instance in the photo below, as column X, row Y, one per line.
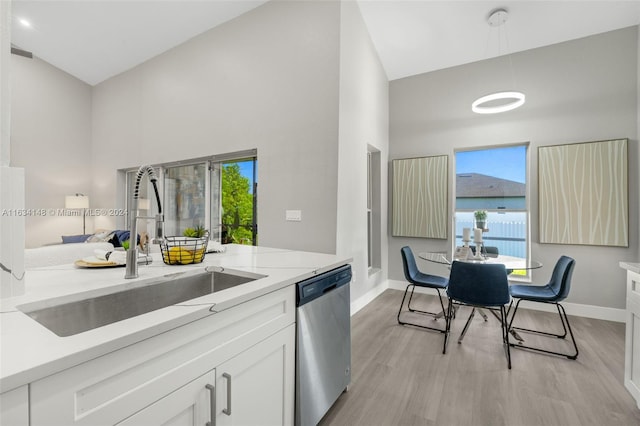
column 583, row 193
column 420, row 197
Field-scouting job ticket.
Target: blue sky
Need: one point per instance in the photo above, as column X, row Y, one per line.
column 246, row 169
column 506, row 163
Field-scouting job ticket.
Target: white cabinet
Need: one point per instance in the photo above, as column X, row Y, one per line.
column 190, row 405
column 15, row 407
column 257, row 386
column 252, row 342
column 253, row 388
column 632, row 338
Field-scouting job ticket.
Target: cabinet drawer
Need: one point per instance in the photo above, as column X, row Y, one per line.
column 110, row 388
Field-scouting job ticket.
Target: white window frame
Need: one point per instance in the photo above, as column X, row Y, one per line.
column 526, row 210
column 125, row 176
column 374, row 210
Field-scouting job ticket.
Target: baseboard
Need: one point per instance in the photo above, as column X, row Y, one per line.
column 365, row 299
column 587, row 311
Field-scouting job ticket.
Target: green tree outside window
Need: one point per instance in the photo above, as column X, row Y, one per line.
column 237, row 206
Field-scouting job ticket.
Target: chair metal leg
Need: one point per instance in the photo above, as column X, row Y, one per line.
column 564, row 319
column 448, row 317
column 415, row 310
column 466, row 325
column 435, row 315
column 505, row 334
column 504, row 329
column 484, row 316
column 512, row 331
column 516, row 336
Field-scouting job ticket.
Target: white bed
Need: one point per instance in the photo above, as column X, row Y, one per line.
column 59, row 254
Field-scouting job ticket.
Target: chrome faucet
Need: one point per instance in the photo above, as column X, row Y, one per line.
column 131, row 270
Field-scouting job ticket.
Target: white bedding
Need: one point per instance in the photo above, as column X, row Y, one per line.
column 60, row 254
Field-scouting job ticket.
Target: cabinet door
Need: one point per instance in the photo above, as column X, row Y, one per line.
column 256, row 387
column 632, row 341
column 14, row 407
column 190, row 405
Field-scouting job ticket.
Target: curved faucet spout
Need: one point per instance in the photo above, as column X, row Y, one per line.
column 131, row 270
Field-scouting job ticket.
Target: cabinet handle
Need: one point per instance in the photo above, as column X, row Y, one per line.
column 227, row 410
column 212, row 404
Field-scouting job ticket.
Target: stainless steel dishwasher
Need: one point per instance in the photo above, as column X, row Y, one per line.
column 323, row 345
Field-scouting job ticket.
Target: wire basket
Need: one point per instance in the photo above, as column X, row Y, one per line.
column 184, row 250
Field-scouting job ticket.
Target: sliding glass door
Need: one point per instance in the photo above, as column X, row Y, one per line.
column 185, row 198
column 217, row 193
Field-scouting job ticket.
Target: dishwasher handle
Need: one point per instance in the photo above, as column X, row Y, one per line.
column 328, row 289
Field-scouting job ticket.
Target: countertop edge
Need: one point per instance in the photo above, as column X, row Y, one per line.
column 17, row 377
column 631, row 266
column 71, row 360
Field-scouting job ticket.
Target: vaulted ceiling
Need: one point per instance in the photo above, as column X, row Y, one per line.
column 97, row 39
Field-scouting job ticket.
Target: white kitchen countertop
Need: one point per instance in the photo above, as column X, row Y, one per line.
column 630, row 266
column 29, row 351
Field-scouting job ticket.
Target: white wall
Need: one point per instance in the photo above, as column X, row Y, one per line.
column 11, row 178
column 578, row 91
column 51, row 140
column 267, row 80
column 5, row 93
column 364, row 120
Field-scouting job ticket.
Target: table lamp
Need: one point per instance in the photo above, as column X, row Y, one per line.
column 78, row 201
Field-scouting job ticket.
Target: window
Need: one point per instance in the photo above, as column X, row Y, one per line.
column 374, row 215
column 494, row 179
column 369, row 213
column 238, row 189
column 218, row 193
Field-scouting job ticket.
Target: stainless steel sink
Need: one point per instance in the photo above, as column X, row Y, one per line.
column 67, row 319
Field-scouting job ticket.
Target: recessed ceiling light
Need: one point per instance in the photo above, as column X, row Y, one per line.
column 24, row 22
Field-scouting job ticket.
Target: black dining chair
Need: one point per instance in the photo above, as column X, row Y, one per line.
column 555, row 291
column 479, row 285
column 420, row 279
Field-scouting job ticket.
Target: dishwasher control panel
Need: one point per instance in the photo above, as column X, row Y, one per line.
column 315, row 287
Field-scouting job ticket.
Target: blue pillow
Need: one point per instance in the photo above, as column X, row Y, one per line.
column 66, row 239
column 120, row 236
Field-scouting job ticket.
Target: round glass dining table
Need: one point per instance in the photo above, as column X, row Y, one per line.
column 510, row 263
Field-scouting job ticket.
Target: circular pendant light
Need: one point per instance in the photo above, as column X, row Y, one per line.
column 489, row 105
column 500, row 101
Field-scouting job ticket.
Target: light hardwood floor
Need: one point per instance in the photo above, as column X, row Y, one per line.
column 401, row 377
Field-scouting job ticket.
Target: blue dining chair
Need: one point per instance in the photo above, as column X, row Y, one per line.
column 420, row 279
column 555, row 291
column 479, row 285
